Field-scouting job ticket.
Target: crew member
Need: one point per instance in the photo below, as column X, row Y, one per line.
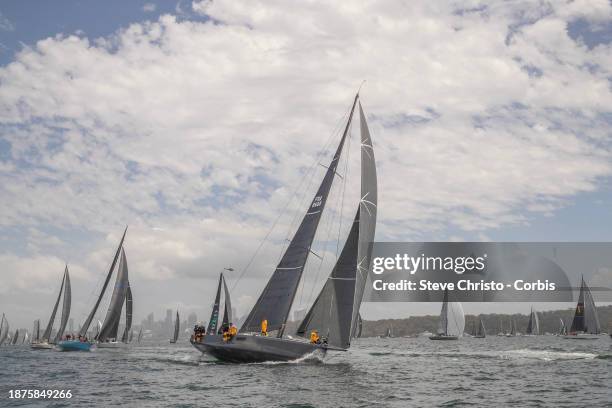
column 314, row 337
column 264, row 327
column 233, row 331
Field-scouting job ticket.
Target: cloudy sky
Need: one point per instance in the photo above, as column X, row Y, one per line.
column 194, row 124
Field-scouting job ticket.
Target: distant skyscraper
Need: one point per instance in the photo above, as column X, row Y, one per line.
column 150, row 320
column 168, row 320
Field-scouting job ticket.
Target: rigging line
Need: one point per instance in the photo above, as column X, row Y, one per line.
column 331, row 218
column 297, row 212
column 309, row 175
column 327, row 226
column 282, row 212
column 339, row 203
column 328, row 221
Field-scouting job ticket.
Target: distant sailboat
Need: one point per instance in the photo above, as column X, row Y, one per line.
column 585, row 325
column 176, row 329
column 213, row 324
column 140, row 335
column 46, row 343
column 4, row 329
column 562, row 328
column 36, row 331
column 26, row 336
column 512, row 332
column 359, row 327
column 15, row 337
column 109, row 329
column 335, row 311
column 478, row 331
column 533, row 327
column 131, row 337
column 501, row 331
column 452, row 320
column 388, row 333
column 107, row 338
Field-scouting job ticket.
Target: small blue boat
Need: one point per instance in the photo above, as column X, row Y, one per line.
column 74, row 345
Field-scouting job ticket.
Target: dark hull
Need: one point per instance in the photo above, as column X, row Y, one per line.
column 443, row 337
column 256, row 349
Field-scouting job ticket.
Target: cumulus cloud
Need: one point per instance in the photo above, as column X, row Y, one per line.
column 482, row 115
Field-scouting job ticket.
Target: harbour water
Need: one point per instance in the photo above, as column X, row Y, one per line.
column 542, row 371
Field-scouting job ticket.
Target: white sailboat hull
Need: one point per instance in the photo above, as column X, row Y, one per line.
column 42, row 346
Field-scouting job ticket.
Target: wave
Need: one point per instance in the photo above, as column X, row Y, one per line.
column 546, row 355
column 315, row 357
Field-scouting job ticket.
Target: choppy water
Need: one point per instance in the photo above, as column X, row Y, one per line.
column 540, row 371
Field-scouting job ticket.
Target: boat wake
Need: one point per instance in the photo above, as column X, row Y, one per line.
column 316, row 357
column 520, row 354
column 546, row 355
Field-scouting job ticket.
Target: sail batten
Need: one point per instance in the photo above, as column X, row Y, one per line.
column 274, row 304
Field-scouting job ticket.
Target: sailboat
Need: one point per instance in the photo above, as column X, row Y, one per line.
column 140, row 335
column 479, row 331
column 335, row 312
column 15, row 337
column 213, row 323
column 533, row 326
column 501, row 331
column 585, row 325
column 131, row 336
column 107, row 337
column 562, row 329
column 452, row 320
column 107, row 332
column 388, row 333
column 176, row 329
column 4, row 329
column 46, row 342
column 26, row 336
column 512, row 332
